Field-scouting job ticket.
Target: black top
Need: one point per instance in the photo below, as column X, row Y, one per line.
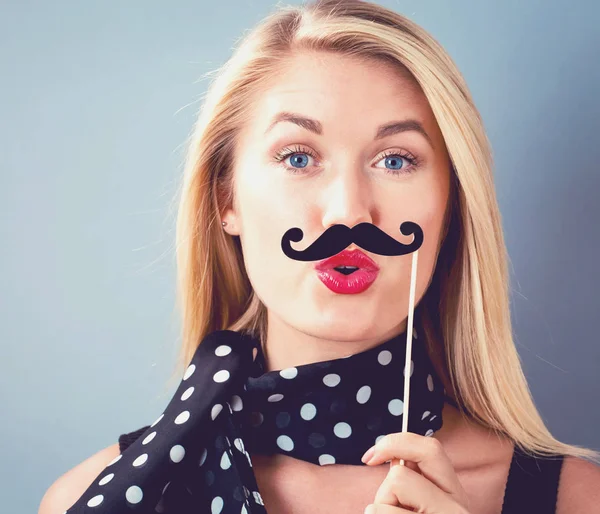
column 531, row 486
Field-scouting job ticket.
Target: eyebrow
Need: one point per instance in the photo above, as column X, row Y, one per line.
column 315, row 126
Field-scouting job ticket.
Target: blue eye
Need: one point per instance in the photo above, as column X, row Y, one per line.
column 400, row 162
column 298, row 158
column 395, row 161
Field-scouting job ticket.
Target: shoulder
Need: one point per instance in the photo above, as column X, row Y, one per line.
column 579, row 487
column 68, row 488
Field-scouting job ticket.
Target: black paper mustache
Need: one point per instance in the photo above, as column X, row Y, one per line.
column 337, row 237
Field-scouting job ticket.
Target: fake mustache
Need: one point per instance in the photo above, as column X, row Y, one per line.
column 337, row 237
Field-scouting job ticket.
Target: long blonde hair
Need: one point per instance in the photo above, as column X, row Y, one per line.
column 465, row 311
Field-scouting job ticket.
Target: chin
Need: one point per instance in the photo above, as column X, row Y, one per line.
column 342, row 327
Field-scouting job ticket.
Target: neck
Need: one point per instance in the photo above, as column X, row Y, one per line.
column 287, row 346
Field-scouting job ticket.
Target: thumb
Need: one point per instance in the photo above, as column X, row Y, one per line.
column 409, row 464
column 412, row 465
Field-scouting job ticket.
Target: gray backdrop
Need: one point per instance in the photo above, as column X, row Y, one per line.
column 96, row 102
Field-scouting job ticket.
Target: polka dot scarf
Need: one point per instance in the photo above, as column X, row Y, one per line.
column 195, row 458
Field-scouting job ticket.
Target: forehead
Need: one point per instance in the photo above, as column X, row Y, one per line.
column 341, row 91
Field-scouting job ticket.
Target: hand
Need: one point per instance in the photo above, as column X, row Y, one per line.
column 427, row 482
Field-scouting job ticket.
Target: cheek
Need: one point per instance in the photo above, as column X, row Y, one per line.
column 266, row 213
column 424, row 205
column 430, row 216
column 427, row 206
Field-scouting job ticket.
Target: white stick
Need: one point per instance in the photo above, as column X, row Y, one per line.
column 409, row 338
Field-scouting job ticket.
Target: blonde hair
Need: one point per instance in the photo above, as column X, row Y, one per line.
column 465, row 311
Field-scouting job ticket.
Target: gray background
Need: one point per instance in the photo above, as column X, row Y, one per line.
column 96, row 102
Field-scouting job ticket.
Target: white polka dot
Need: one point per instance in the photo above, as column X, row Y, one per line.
column 285, row 443
column 379, row 438
column 396, row 407
column 308, row 411
column 433, row 417
column 214, row 412
column 414, row 333
column 332, row 379
column 159, row 418
column 95, row 501
column 363, row 395
column 275, row 397
column 425, row 414
column 216, row 506
column 384, row 357
column 239, row 444
column 140, row 460
column 134, row 494
column 225, row 461
column 289, row 373
column 222, row 350
column 244, row 510
column 189, row 371
column 106, row 479
column 188, row 392
column 342, row 429
column 114, row 460
column 412, row 368
column 149, row 438
column 429, row 433
column 203, row 457
column 236, row 403
column 221, row 376
column 165, row 487
column 182, row 418
column 177, row 453
column 257, row 497
column 429, row 382
column 326, row 459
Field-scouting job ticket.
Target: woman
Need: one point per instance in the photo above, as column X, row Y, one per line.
column 344, row 113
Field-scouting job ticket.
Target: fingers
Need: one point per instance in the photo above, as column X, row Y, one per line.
column 407, row 488
column 427, row 452
column 408, row 463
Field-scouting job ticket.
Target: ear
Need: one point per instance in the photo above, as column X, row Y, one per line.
column 230, row 217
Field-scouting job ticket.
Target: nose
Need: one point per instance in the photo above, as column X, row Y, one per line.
column 347, row 200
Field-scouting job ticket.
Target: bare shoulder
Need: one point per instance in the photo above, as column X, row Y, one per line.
column 67, row 489
column 579, row 487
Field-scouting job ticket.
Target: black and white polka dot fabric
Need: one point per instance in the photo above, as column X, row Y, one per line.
column 195, row 457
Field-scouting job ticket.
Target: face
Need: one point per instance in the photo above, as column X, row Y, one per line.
column 286, row 175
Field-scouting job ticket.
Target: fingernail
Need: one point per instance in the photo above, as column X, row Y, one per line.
column 368, row 454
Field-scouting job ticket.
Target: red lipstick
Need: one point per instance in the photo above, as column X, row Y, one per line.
column 355, row 274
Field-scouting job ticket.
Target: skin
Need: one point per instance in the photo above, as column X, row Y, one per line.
column 343, row 176
column 349, row 182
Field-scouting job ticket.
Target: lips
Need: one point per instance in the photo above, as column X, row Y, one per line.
column 355, row 258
